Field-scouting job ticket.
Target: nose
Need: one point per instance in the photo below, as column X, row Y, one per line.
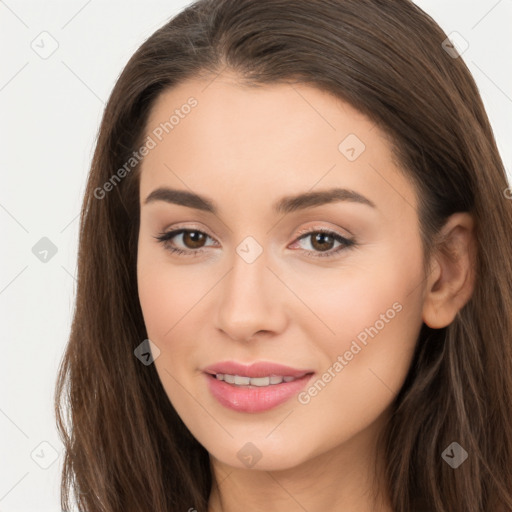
column 252, row 300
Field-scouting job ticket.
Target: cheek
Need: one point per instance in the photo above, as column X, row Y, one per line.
column 374, row 315
column 361, row 379
column 155, row 297
column 172, row 298
column 356, row 301
column 166, row 291
column 374, row 296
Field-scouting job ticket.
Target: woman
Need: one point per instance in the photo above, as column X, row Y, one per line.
column 294, row 277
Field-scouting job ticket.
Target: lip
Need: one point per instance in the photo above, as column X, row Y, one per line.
column 254, row 399
column 257, row 369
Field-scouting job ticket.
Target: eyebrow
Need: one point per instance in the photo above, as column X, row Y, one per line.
column 284, row 205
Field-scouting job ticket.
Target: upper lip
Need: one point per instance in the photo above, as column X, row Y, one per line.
column 257, row 369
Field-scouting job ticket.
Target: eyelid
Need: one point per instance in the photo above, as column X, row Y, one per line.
column 321, row 228
column 302, row 231
column 188, row 227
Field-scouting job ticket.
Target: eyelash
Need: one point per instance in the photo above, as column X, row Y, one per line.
column 346, row 243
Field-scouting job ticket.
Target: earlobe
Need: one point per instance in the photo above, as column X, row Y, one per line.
column 451, row 284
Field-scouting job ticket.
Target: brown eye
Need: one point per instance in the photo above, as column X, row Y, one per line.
column 322, row 241
column 184, row 241
column 193, row 239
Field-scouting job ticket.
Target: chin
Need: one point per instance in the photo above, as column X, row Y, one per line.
column 259, row 455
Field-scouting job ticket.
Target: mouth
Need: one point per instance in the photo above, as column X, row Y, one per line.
column 256, row 388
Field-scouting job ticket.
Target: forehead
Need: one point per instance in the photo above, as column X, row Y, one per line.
column 224, row 105
column 276, row 137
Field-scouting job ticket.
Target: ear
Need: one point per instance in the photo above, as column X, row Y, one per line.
column 451, row 282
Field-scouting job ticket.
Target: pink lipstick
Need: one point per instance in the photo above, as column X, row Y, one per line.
column 254, row 388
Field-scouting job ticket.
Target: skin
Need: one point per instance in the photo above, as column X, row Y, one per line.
column 245, row 148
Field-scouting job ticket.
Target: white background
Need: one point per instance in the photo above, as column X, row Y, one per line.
column 51, row 109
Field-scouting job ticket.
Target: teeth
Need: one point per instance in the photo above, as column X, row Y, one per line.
column 242, row 381
column 238, row 380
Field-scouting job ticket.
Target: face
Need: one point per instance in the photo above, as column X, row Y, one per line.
column 273, row 268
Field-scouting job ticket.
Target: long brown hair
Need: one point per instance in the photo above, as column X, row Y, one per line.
column 126, row 447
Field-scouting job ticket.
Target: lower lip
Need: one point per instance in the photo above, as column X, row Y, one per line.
column 254, row 398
